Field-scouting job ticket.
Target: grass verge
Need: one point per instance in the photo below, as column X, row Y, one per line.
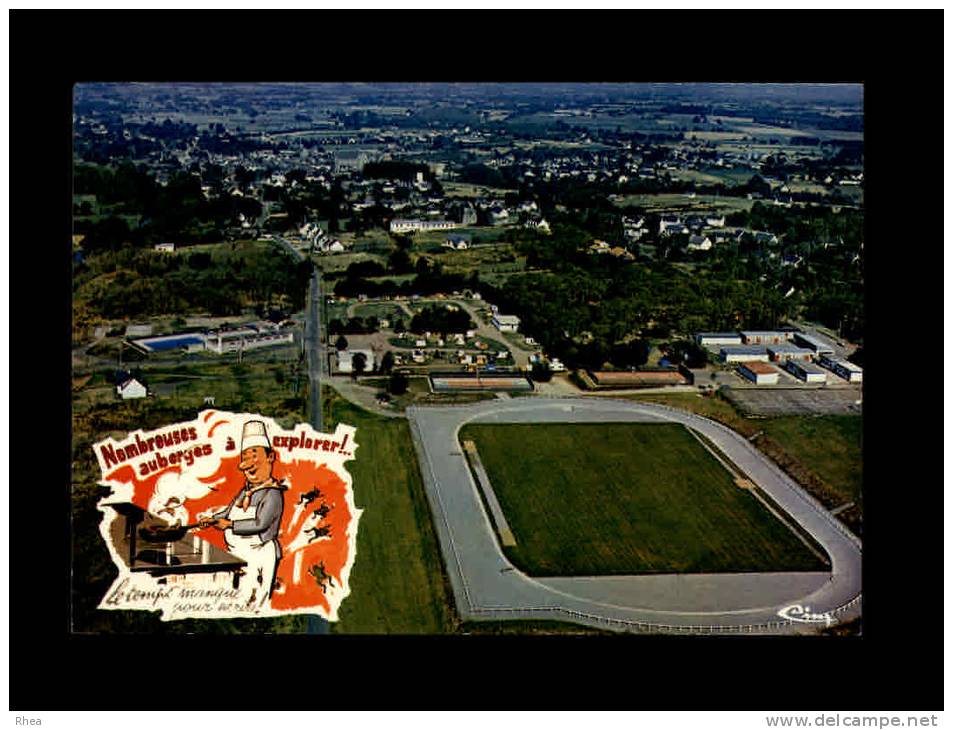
column 398, row 585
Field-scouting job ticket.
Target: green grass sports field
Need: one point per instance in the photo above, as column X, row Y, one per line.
column 616, row 499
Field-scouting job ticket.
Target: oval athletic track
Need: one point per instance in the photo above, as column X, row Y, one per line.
column 487, row 586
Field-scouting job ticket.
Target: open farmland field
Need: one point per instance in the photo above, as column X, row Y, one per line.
column 490, row 258
column 557, row 144
column 376, row 240
column 762, row 130
column 333, row 263
column 382, row 310
column 715, row 135
column 478, row 235
column 681, row 201
column 397, row 584
column 469, row 190
column 702, row 178
column 616, row 499
column 267, row 382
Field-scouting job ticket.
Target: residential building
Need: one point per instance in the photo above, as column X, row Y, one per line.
column 459, row 241
column 699, row 243
column 131, row 388
column 499, row 215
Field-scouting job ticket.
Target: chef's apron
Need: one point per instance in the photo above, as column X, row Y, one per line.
column 262, row 558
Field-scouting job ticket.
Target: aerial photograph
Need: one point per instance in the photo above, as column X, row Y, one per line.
column 468, row 359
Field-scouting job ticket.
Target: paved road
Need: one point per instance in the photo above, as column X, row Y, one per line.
column 315, row 350
column 487, row 586
column 298, row 256
column 315, row 355
column 520, row 356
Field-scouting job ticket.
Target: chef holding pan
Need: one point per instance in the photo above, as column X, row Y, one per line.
column 252, row 520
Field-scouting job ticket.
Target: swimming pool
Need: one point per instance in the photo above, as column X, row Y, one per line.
column 172, row 342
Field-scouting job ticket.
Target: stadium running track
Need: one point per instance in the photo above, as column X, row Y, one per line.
column 487, row 586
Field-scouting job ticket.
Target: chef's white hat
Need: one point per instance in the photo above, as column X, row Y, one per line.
column 254, row 434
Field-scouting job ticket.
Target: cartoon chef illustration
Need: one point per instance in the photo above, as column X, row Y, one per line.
column 252, row 519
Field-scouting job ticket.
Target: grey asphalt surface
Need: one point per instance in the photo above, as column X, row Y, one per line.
column 296, row 254
column 488, row 587
column 315, row 624
column 312, row 340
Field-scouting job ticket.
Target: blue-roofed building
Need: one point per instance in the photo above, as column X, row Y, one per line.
column 743, row 353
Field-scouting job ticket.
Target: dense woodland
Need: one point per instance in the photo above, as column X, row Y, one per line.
column 132, row 282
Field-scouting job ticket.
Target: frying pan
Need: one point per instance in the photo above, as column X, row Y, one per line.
column 162, row 533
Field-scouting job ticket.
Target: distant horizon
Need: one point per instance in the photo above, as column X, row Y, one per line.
column 835, row 92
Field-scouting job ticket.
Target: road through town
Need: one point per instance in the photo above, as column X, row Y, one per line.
column 314, row 350
column 315, row 359
column 487, row 586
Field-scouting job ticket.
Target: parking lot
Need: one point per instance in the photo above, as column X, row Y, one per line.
column 779, row 401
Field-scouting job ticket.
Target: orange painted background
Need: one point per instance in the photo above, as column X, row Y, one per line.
column 301, row 476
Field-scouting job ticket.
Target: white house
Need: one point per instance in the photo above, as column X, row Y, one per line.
column 165, row 247
column 669, row 226
column 499, row 215
column 131, row 388
column 699, row 243
column 539, row 224
column 459, row 241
